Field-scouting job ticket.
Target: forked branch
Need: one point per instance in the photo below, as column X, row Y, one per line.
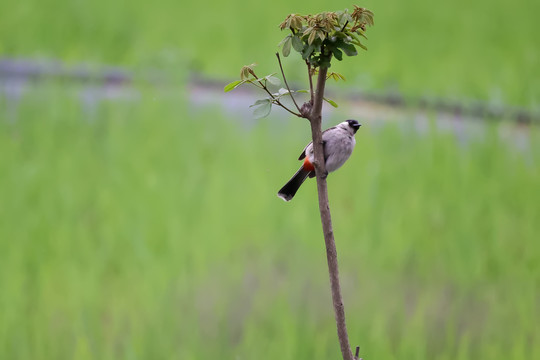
column 286, row 83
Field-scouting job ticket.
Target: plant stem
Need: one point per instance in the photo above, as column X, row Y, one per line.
column 324, row 209
column 277, row 102
column 286, row 84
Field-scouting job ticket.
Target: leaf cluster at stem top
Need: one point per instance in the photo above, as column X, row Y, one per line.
column 319, row 37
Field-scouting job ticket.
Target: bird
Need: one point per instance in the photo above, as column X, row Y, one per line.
column 338, row 144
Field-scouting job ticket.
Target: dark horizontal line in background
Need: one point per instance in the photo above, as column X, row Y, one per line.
column 112, row 76
column 392, row 98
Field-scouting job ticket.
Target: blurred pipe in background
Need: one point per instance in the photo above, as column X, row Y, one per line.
column 95, row 84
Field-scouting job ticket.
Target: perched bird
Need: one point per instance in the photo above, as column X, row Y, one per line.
column 338, row 144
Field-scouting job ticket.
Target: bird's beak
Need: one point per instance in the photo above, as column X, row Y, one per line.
column 357, row 126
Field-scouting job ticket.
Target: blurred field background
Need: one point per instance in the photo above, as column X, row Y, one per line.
column 465, row 50
column 146, row 227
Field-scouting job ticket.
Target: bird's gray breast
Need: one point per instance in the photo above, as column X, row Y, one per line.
column 338, row 147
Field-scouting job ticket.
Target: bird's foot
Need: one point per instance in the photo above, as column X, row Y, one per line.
column 324, row 175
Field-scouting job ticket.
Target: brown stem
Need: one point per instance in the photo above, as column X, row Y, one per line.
column 286, row 84
column 277, row 102
column 286, row 108
column 324, row 209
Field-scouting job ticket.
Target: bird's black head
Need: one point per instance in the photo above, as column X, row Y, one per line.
column 354, row 124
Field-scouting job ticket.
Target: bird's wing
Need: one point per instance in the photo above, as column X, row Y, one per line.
column 303, row 154
column 327, row 130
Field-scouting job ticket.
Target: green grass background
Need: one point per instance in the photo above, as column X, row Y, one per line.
column 150, row 230
column 483, row 49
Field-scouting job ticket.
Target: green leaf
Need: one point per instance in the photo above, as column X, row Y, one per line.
column 273, row 80
column 233, row 85
column 344, row 17
column 280, row 93
column 260, row 102
column 331, row 102
column 336, row 76
column 361, row 33
column 308, row 50
column 357, row 41
column 337, row 53
column 284, row 39
column 286, row 47
column 297, row 43
column 348, row 49
column 262, row 108
column 283, row 91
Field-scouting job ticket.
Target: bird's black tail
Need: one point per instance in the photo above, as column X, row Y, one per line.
column 291, row 187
